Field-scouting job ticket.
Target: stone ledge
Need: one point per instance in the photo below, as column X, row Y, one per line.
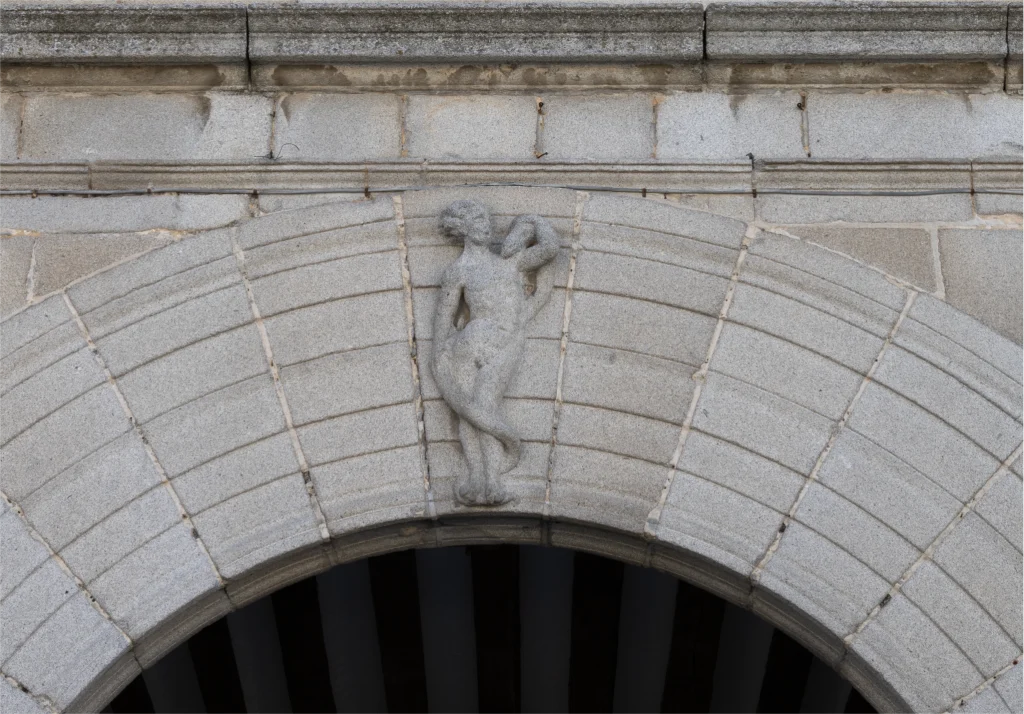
column 873, row 30
column 452, row 32
column 125, row 34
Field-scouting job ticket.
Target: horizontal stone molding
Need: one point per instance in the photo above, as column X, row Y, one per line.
column 473, row 32
column 759, row 177
column 489, row 33
column 123, row 34
column 876, row 30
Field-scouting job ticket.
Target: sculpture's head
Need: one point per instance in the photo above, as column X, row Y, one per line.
column 467, row 220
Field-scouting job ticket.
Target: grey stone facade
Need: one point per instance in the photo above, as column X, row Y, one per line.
column 781, row 357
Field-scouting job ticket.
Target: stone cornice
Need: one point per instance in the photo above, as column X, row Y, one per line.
column 509, row 32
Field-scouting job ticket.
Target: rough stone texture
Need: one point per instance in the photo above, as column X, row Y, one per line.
column 471, row 127
column 160, row 126
column 10, row 125
column 1009, row 688
column 902, row 252
column 909, row 126
column 62, row 259
column 337, row 127
column 110, row 214
column 1002, row 508
column 16, row 257
column 982, row 274
column 713, row 126
column 13, row 699
column 598, row 128
column 802, row 32
column 998, row 185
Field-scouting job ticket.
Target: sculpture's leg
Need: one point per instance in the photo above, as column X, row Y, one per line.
column 492, row 382
column 471, row 490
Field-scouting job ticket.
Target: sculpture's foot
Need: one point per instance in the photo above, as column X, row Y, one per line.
column 470, row 492
column 497, row 495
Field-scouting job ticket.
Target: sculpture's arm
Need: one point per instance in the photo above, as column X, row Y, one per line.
column 447, row 304
column 537, row 254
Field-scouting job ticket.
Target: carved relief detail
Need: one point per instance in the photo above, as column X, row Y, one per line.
column 488, row 295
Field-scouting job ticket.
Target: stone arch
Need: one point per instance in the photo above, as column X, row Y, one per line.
column 794, row 431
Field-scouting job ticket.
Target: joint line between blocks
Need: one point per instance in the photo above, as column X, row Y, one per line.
column 960, row 701
column 41, row 699
column 836, row 430
column 577, row 225
column 417, row 386
column 653, row 522
column 275, row 375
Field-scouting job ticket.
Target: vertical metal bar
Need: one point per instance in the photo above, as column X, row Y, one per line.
column 350, row 637
column 742, row 654
column 645, row 639
column 258, row 655
column 446, row 614
column 172, row 683
column 545, row 606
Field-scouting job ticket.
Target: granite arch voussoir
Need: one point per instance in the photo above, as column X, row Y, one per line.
column 250, row 405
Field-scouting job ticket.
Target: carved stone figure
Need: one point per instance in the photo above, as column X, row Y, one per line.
column 488, row 295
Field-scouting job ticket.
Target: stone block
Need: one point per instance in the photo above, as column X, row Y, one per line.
column 599, row 487
column 598, row 128
column 1001, row 508
column 446, row 128
column 163, row 127
column 98, row 485
column 903, row 498
column 799, row 32
column 947, row 398
column 153, row 582
column 321, row 247
column 762, row 422
column 622, row 434
column 981, row 270
column 225, row 419
column 663, row 217
column 338, row 127
column 715, row 126
column 649, row 280
column 726, row 527
column 987, row 701
column 537, row 376
column 997, row 184
column 274, row 202
column 373, row 488
column 16, row 255
column 67, row 652
column 859, row 533
column 31, row 604
column 47, row 391
column 966, row 555
column 1009, row 687
column 346, row 382
column 646, row 327
column 13, row 699
column 782, row 208
column 502, row 201
column 193, row 372
column 961, row 618
column 958, row 361
column 326, row 281
column 627, row 381
column 38, row 354
column 11, row 106
column 785, row 369
column 904, row 125
column 818, row 578
column 803, row 324
column 285, row 225
column 359, row 433
column 258, row 525
column 62, row 259
column 32, row 323
column 905, row 253
column 922, row 440
column 128, row 343
column 23, row 554
column 914, row 657
column 236, row 472
column 740, row 470
column 337, row 327
column 60, row 440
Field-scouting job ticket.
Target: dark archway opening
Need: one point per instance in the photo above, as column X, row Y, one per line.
column 492, row 629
